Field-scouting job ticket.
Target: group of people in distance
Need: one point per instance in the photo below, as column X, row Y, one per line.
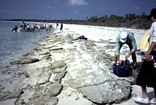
column 146, row 71
column 48, row 27
column 27, row 27
column 31, row 27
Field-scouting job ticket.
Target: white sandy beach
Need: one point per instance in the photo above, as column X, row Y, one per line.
column 105, row 33
column 70, row 96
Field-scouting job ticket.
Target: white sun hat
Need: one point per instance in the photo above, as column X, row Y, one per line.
column 123, row 37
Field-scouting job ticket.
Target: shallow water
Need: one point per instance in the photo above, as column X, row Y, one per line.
column 15, row 44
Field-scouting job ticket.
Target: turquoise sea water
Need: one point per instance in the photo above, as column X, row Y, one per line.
column 14, row 44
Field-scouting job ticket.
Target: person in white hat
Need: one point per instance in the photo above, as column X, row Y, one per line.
column 126, row 37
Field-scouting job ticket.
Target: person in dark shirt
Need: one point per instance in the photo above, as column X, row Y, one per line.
column 61, row 28
column 24, row 25
column 15, row 29
column 56, row 25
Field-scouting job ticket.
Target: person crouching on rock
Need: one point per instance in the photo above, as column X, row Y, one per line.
column 126, row 37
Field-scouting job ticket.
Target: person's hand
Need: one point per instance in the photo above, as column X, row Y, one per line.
column 127, row 56
column 119, row 61
column 148, row 57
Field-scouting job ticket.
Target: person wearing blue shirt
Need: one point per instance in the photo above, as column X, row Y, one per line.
column 126, row 37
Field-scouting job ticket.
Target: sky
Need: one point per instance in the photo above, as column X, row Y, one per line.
column 72, row 9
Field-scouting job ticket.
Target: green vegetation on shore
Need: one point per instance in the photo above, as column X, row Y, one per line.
column 130, row 21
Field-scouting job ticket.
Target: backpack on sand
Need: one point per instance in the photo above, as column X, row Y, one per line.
column 122, row 70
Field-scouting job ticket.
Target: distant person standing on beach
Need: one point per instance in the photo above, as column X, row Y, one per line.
column 61, row 28
column 147, row 73
column 126, row 37
column 56, row 25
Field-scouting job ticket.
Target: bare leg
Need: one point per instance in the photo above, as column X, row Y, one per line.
column 117, row 57
column 144, row 92
column 134, row 57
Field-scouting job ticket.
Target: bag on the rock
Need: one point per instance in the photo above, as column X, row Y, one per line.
column 81, row 37
column 123, row 70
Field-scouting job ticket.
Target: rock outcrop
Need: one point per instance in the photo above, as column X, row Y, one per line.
column 62, row 62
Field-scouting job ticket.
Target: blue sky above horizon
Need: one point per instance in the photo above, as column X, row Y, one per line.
column 72, row 9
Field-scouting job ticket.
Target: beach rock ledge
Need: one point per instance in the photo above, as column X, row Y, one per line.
column 61, row 62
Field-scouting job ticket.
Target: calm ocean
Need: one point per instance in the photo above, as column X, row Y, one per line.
column 14, row 44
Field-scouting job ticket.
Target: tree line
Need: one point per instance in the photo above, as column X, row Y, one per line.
column 129, row 21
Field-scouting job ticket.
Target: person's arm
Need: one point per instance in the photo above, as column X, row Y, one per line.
column 151, row 48
column 117, row 47
column 117, row 51
column 118, row 59
column 128, row 55
column 134, row 47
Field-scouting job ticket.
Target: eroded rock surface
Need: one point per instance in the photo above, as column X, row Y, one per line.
column 62, row 62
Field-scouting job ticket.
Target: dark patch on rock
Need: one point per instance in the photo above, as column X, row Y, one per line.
column 25, row 61
column 10, row 95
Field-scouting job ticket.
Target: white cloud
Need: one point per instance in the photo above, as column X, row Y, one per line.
column 77, row 2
